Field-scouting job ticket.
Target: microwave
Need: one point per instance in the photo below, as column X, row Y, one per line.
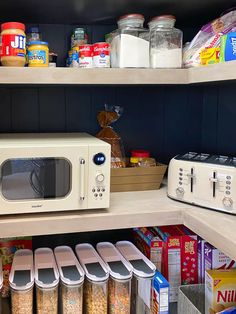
column 53, row 172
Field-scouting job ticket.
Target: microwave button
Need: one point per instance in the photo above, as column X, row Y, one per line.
column 99, row 159
column 227, row 202
column 100, row 177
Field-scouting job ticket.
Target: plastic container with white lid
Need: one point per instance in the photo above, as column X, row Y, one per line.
column 21, row 281
column 143, row 271
column 96, row 283
column 1, row 284
column 46, row 280
column 72, row 279
column 119, row 285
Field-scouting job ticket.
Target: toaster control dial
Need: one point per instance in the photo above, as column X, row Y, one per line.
column 180, row 192
column 100, row 177
column 227, row 202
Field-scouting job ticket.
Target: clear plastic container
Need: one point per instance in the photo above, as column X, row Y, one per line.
column 1, row 284
column 165, row 43
column 119, row 285
column 46, row 280
column 130, row 43
column 21, row 281
column 143, row 274
column 72, row 279
column 96, row 282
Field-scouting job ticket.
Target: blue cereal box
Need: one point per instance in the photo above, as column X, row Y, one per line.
column 160, row 294
column 228, row 47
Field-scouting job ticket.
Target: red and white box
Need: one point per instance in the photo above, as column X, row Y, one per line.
column 86, row 56
column 101, row 55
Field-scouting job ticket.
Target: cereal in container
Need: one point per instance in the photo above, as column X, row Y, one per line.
column 72, row 279
column 96, row 282
column 21, row 281
column 143, row 274
column 119, row 286
column 46, row 281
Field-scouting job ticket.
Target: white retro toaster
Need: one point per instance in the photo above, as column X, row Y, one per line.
column 204, row 180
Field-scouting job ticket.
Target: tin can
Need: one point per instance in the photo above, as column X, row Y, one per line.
column 101, row 55
column 86, row 56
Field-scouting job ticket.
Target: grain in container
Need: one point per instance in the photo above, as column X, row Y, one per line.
column 130, row 43
column 119, row 284
column 71, row 283
column 1, row 284
column 21, row 281
column 46, row 281
column 143, row 273
column 96, row 282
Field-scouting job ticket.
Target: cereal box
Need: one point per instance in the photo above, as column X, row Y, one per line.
column 220, row 290
column 230, row 310
column 8, row 247
column 215, row 259
column 160, row 295
column 200, row 255
column 150, row 245
column 179, row 257
column 228, row 47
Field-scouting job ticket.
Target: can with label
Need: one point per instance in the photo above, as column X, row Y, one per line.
column 101, row 55
column 86, row 56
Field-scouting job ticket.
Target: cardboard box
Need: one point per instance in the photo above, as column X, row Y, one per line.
column 179, row 257
column 220, row 290
column 137, row 178
column 160, row 295
column 150, row 245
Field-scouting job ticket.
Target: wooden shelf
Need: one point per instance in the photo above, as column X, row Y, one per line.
column 127, row 210
column 74, row 76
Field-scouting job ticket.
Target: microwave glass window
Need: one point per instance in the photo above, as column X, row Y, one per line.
column 35, row 178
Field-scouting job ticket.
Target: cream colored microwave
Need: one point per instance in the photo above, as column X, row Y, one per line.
column 53, row 172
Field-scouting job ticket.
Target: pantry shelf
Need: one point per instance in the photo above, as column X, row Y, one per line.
column 127, row 210
column 74, row 76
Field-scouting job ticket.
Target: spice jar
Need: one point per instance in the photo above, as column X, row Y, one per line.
column 130, row 43
column 38, row 54
column 46, row 280
column 143, row 274
column 72, row 279
column 13, row 49
column 96, row 282
column 21, row 281
column 119, row 285
column 165, row 43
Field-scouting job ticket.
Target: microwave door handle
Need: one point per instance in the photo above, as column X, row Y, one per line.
column 82, row 179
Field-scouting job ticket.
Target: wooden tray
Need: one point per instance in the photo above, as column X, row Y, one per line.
column 137, row 178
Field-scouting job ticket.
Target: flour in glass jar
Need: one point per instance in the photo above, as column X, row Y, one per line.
column 166, row 58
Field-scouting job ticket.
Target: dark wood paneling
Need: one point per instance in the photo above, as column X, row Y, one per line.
column 5, row 109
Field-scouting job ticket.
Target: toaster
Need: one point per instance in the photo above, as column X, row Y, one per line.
column 204, row 180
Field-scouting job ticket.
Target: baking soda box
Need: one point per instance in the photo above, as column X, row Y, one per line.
column 160, row 295
column 180, row 258
column 150, row 245
column 220, row 290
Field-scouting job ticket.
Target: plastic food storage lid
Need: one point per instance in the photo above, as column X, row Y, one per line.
column 117, row 265
column 70, row 271
column 140, row 153
column 22, row 270
column 45, row 267
column 94, row 267
column 13, row 25
column 142, row 267
column 1, row 275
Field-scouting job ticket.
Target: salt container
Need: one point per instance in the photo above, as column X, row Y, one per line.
column 143, row 274
column 46, row 281
column 72, row 279
column 21, row 281
column 96, row 282
column 119, row 285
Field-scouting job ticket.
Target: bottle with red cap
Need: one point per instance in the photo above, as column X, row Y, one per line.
column 13, row 47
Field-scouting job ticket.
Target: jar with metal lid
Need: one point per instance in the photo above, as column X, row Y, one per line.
column 165, row 42
column 13, row 49
column 38, row 54
column 130, row 43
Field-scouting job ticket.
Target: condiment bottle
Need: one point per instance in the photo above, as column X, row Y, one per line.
column 13, row 50
column 165, row 43
column 33, row 34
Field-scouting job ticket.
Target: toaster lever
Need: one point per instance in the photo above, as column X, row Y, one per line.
column 214, row 180
column 191, row 176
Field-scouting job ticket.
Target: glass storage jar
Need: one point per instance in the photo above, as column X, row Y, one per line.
column 130, row 43
column 165, row 43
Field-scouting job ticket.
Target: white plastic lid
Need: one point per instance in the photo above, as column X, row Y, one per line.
column 1, row 275
column 22, row 270
column 142, row 266
column 116, row 264
column 94, row 267
column 71, row 273
column 46, row 272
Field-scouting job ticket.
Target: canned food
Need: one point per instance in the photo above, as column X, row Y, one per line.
column 86, row 56
column 101, row 55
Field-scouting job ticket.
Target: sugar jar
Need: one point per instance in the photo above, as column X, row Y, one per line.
column 165, row 42
column 130, row 43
